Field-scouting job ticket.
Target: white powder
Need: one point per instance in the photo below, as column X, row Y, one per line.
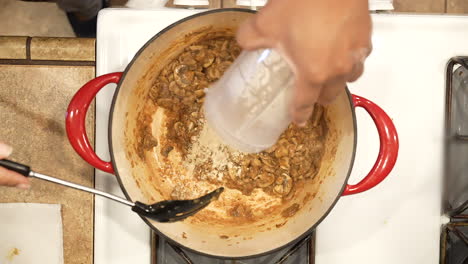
column 209, row 147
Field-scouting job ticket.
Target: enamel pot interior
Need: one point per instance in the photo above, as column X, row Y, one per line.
column 141, row 183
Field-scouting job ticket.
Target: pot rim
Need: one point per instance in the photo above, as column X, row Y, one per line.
column 122, row 187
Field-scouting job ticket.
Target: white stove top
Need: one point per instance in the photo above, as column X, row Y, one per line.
column 396, row 222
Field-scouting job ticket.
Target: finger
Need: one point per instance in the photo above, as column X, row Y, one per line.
column 13, row 179
column 5, row 150
column 250, row 37
column 358, row 57
column 305, row 96
column 331, row 90
column 357, row 71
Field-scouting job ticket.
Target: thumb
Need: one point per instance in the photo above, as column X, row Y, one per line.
column 13, row 179
column 250, row 37
column 8, row 177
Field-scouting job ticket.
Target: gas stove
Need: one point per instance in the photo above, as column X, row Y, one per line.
column 399, row 221
column 454, row 235
column 164, row 252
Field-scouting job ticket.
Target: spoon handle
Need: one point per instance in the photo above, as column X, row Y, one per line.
column 26, row 171
column 16, row 167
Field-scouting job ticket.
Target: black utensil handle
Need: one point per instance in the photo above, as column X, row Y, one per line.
column 14, row 166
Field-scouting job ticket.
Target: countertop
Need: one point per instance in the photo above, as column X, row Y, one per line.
column 39, row 76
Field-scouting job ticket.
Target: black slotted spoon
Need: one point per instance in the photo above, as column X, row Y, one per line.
column 164, row 211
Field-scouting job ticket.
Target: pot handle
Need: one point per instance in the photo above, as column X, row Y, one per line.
column 388, row 152
column 76, row 117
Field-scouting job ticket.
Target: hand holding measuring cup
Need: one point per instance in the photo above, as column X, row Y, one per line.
column 326, row 43
column 298, row 53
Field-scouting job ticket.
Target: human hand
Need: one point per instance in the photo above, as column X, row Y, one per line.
column 326, row 42
column 8, row 177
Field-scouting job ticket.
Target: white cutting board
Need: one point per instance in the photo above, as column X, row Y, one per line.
column 30, row 233
column 397, row 222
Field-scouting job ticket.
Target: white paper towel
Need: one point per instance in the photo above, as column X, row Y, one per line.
column 30, row 233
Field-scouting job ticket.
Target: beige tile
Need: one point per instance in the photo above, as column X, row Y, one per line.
column 419, row 6
column 13, row 47
column 20, row 18
column 457, row 6
column 74, row 49
column 229, row 3
column 33, row 102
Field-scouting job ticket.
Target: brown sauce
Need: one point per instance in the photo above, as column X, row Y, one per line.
column 180, row 89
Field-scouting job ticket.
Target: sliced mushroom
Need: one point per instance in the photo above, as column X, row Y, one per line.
column 200, row 75
column 183, row 76
column 173, row 86
column 268, row 162
column 264, row 179
column 156, row 89
column 285, row 185
column 224, row 54
column 290, row 195
column 199, row 93
column 253, row 172
column 225, row 45
column 256, row 162
column 174, row 64
column 300, row 148
column 190, row 126
column 194, row 114
column 170, row 77
column 269, row 169
column 278, row 189
column 183, row 82
column 165, row 103
column 163, row 79
column 165, row 71
column 186, row 58
column 208, row 59
column 294, row 171
column 284, row 163
column 282, row 151
column 199, row 55
column 213, row 72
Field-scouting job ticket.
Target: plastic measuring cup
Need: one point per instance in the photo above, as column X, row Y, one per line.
column 248, row 106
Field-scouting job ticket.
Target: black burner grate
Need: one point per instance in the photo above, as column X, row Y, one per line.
column 164, row 252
